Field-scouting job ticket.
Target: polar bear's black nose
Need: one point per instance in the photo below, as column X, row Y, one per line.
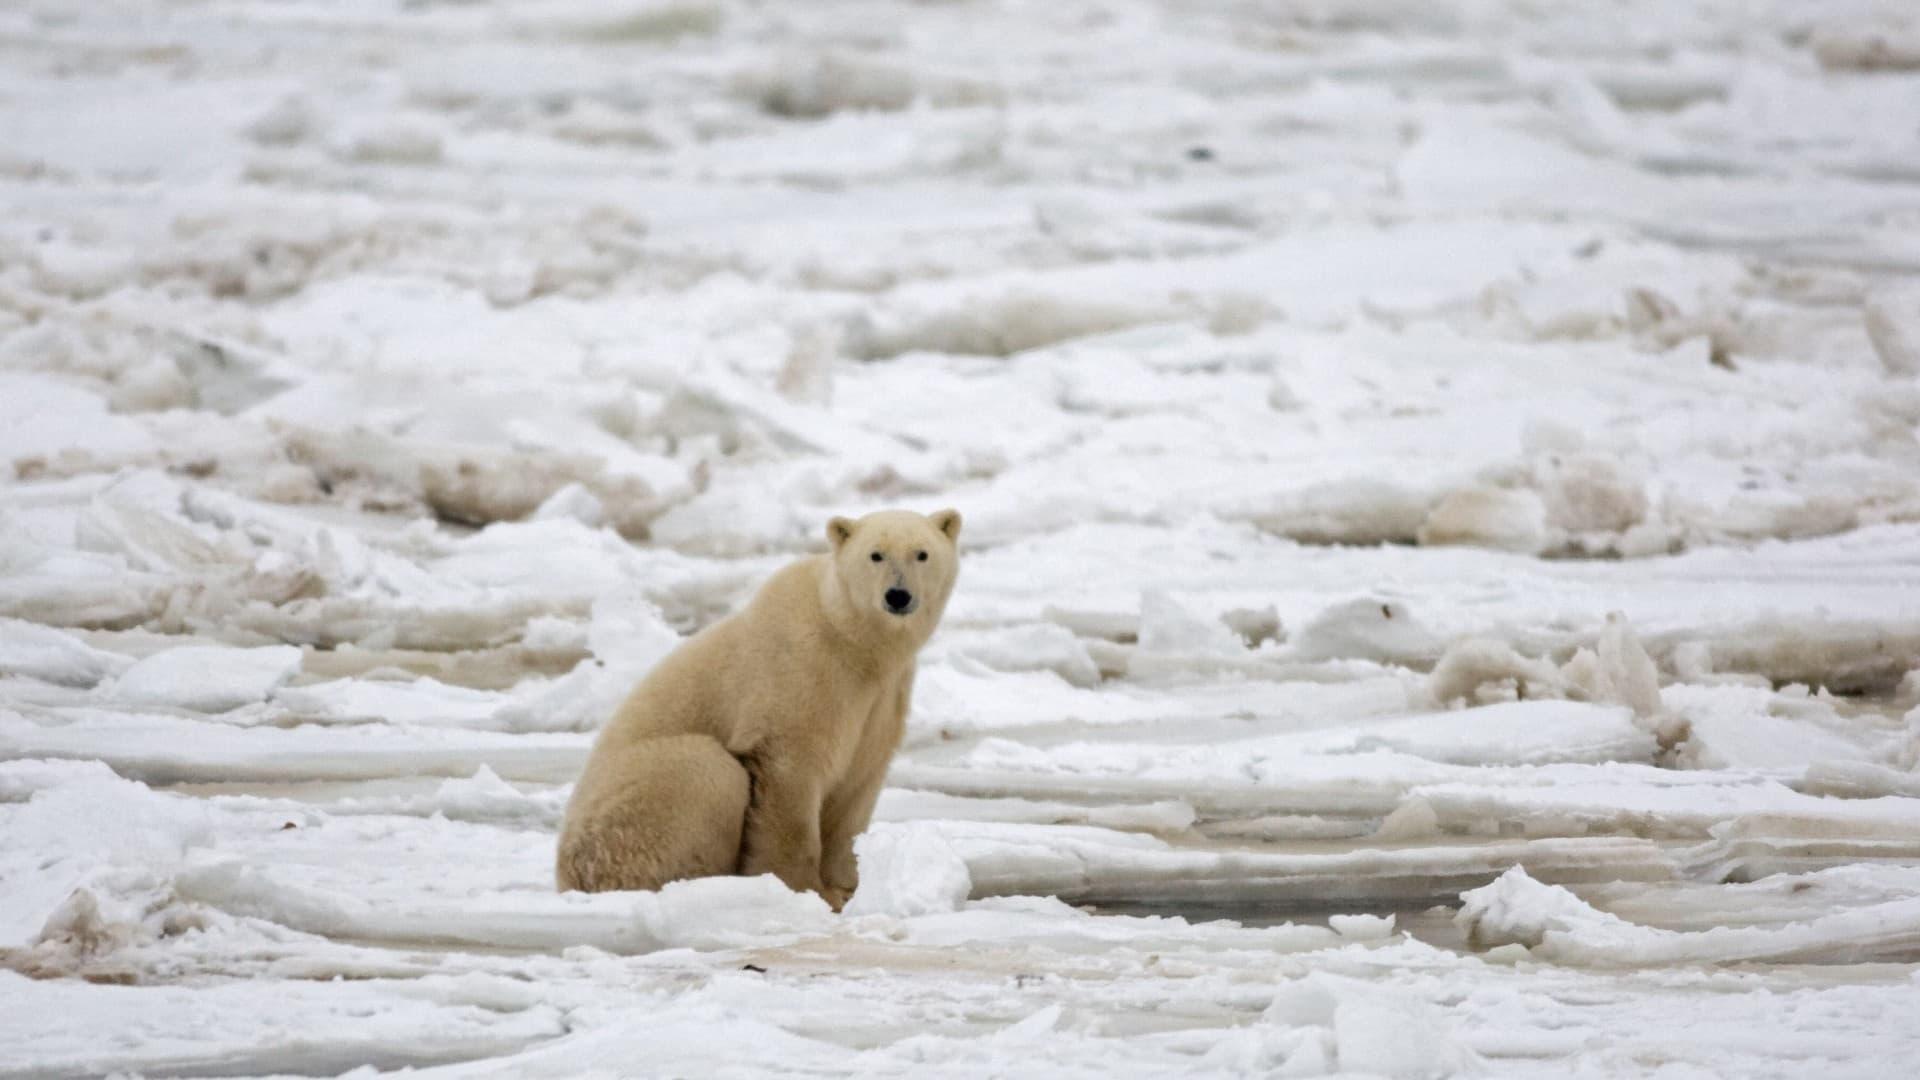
column 899, row 601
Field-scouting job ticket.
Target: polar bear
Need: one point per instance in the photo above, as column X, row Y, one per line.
column 760, row 744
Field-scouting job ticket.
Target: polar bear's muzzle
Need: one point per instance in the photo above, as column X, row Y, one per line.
column 901, row 602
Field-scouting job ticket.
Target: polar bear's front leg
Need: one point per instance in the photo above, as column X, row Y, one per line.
column 845, row 818
column 782, row 834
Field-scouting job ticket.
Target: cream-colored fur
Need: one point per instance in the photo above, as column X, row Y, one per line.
column 760, row 744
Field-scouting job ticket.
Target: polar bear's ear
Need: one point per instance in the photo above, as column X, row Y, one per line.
column 839, row 531
column 947, row 521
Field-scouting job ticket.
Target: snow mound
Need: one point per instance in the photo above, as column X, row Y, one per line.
column 906, row 871
column 1366, row 628
column 207, row 679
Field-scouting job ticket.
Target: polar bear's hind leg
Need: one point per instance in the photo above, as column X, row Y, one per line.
column 672, row 808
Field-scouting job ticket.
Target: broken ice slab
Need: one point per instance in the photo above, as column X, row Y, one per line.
column 1870, row 831
column 233, row 1028
column 172, row 750
column 1555, row 924
column 1777, row 900
column 704, row 913
column 1644, row 801
column 1858, row 779
column 1086, row 864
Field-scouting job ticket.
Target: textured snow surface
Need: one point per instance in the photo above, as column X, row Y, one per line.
column 1442, row 582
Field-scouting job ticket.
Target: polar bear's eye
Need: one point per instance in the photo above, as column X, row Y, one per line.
column 876, row 556
column 922, row 556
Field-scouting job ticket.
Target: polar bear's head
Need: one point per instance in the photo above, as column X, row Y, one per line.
column 895, row 569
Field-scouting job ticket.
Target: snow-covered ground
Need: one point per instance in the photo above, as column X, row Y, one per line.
column 1442, row 579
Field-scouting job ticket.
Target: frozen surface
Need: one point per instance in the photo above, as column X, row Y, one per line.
column 1442, row 586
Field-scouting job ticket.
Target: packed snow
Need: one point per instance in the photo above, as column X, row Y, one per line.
column 1441, row 584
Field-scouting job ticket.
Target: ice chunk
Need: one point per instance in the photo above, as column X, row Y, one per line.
column 1490, row 518
column 1482, row 670
column 285, row 122
column 1256, row 626
column 43, row 420
column 1366, row 628
column 1841, row 655
column 1590, row 493
column 1392, row 1033
column 1362, row 927
column 479, row 484
column 91, row 830
column 628, row 636
column 1011, row 322
column 480, row 797
column 819, row 85
column 20, row 780
column 732, row 520
column 1084, row 864
column 1375, row 1031
column 423, row 701
column 576, row 502
column 624, row 23
column 1360, row 511
column 807, row 376
column 1031, row 647
column 1739, row 727
column 1843, row 45
column 703, row 913
column 1893, row 318
column 1513, row 732
column 1559, row 926
column 723, row 912
column 1167, row 815
column 1617, row 670
column 907, row 870
column 1514, row 909
column 1169, row 627
column 1859, row 780
column 394, row 143
column 207, row 678
column 44, row 653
